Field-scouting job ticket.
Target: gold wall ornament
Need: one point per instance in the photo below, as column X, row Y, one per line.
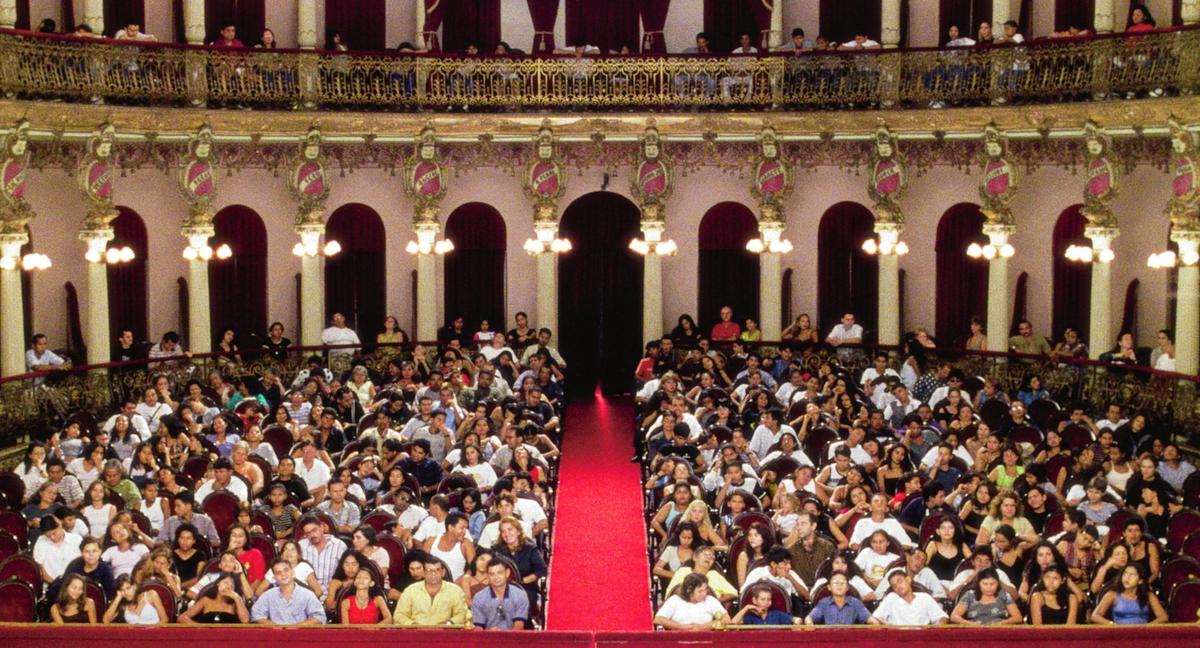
column 198, row 178
column 1184, row 205
column 653, row 178
column 308, row 180
column 15, row 211
column 545, row 177
column 96, row 178
column 1102, row 180
column 773, row 177
column 889, row 177
column 1000, row 177
column 424, row 180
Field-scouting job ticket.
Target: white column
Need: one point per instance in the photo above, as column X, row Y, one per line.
column 1000, row 15
column 889, row 23
column 420, row 22
column 1100, row 333
column 199, row 309
column 194, row 29
column 306, row 24
column 12, row 312
column 547, row 291
column 97, row 334
column 426, row 283
column 652, row 302
column 1189, row 11
column 770, row 283
column 1104, row 19
column 776, row 39
column 889, row 284
column 997, row 300
column 8, row 13
column 312, row 289
column 93, row 15
column 1187, row 307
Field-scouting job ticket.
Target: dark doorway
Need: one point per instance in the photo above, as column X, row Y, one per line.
column 728, row 271
column 475, row 269
column 1072, row 288
column 238, row 285
column 356, row 278
column 127, row 281
column 961, row 280
column 600, row 293
column 847, row 277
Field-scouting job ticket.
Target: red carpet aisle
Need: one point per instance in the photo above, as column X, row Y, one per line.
column 599, row 577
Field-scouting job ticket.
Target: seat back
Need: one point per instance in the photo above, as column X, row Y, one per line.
column 13, row 488
column 1191, row 545
column 1182, row 524
column 280, row 439
column 15, row 523
column 195, row 467
column 18, row 604
column 1185, row 603
column 1191, row 491
column 779, row 598
column 9, row 545
column 99, row 598
column 930, row 524
column 265, row 546
column 23, row 568
column 222, row 507
column 165, row 594
column 263, row 465
column 1041, row 410
column 381, row 521
column 747, row 519
column 1075, row 437
column 1175, row 571
column 993, row 412
column 816, row 443
column 395, row 548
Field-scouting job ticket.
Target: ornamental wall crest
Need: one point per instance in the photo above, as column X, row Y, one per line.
column 1000, row 177
column 653, row 177
column 95, row 176
column 198, row 177
column 773, row 177
column 15, row 211
column 1184, row 206
column 545, row 179
column 308, row 180
column 889, row 178
column 1102, row 177
column 424, row 179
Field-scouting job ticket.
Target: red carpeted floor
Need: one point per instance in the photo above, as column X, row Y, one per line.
column 599, row 577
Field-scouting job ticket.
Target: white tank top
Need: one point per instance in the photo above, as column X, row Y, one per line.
column 454, row 558
column 148, row 615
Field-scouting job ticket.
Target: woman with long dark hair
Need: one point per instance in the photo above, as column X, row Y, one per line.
column 1131, row 602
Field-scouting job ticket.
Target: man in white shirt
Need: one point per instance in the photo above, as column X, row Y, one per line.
column 846, row 332
column 133, row 31
column 754, row 365
column 768, row 432
column 794, row 385
column 901, row 405
column 223, row 481
column 853, row 443
column 338, row 334
column 870, row 374
column 740, row 78
column 55, row 549
column 168, row 347
column 1112, row 418
column 879, row 520
column 778, row 570
column 313, row 471
column 136, row 421
column 40, row 358
column 679, row 406
column 919, row 573
column 904, row 607
column 861, row 41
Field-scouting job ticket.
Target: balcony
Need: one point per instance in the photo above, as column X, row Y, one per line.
column 57, row 68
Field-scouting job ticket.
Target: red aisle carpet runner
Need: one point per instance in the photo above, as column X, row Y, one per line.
column 599, row 577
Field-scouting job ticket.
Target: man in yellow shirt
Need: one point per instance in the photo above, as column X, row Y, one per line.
column 433, row 602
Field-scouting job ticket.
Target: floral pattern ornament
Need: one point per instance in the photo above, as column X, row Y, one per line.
column 1100, row 185
column 889, row 178
column 96, row 178
column 999, row 183
column 198, row 178
column 308, row 180
column 15, row 211
column 424, row 179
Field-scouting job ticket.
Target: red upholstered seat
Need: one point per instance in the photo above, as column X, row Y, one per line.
column 395, row 548
column 265, row 546
column 18, row 604
column 1181, row 525
column 817, row 442
column 195, row 467
column 222, row 507
column 15, row 523
column 164, row 594
column 1191, row 545
column 930, row 524
column 99, row 598
column 779, row 598
column 9, row 545
column 1191, row 491
column 280, row 439
column 381, row 521
column 1185, row 603
column 13, row 488
column 1175, row 571
column 23, row 568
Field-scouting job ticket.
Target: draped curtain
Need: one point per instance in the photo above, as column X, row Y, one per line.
column 127, row 287
column 728, row 273
column 1074, row 13
column 361, row 23
column 433, row 22
column 1025, row 18
column 1129, row 313
column 841, row 18
column 472, row 21
column 1072, row 280
column 356, row 278
column 248, row 15
column 475, row 269
column 761, row 11
column 119, row 13
column 68, row 16
column 27, row 289
column 654, row 19
column 600, row 293
column 607, row 24
column 22, row 15
column 961, row 280
column 726, row 20
column 1176, row 12
column 966, row 14
column 1020, row 303
column 544, row 14
column 238, row 285
column 847, row 277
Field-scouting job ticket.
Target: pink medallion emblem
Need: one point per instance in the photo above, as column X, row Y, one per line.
column 544, row 178
column 14, row 179
column 1185, row 177
column 1099, row 178
column 427, row 178
column 200, row 179
column 100, row 180
column 771, row 177
column 996, row 177
column 889, row 177
column 652, row 178
column 310, row 179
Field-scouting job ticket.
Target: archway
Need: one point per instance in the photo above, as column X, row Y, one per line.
column 356, row 278
column 600, row 293
column 475, row 269
column 1072, row 293
column 238, row 285
column 127, row 288
column 847, row 277
column 728, row 272
column 961, row 280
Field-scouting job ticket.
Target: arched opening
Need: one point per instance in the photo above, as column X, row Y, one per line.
column 847, row 277
column 127, row 288
column 1073, row 13
column 356, row 278
column 600, row 293
column 728, row 271
column 964, row 14
column 475, row 269
column 961, row 280
column 1072, row 292
column 238, row 285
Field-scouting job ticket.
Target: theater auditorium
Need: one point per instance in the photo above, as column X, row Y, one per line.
column 600, row 323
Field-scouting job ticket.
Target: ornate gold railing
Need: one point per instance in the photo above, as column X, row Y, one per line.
column 42, row 67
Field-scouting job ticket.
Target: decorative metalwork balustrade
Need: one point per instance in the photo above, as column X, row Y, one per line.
column 63, row 68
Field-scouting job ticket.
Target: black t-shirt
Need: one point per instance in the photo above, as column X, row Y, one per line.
column 518, row 342
column 277, row 350
column 685, row 450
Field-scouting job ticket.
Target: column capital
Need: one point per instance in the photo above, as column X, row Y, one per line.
column 11, row 242
column 771, row 227
column 1186, row 238
column 998, row 233
column 889, row 229
column 1101, row 236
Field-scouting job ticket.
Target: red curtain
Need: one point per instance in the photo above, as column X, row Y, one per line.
column 1176, row 12
column 1020, row 303
column 119, row 13
column 475, row 269
column 238, row 285
column 127, row 288
column 22, row 15
column 433, row 22
column 726, row 20
column 961, row 280
column 249, row 15
column 1073, row 13
column 1025, row 18
column 27, row 290
column 544, row 14
column 841, row 18
column 1072, row 280
column 966, row 14
column 761, row 11
column 471, row 22
column 654, row 18
column 68, row 16
column 362, row 23
column 728, row 271
column 607, row 24
column 600, row 293
column 847, row 277
column 356, row 278
column 176, row 21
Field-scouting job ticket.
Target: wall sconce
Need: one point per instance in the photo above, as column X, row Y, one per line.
column 885, row 248
column 989, row 251
column 661, row 248
column 1085, row 254
column 777, row 246
column 29, row 262
column 426, row 247
column 111, row 256
column 331, row 248
column 1169, row 259
column 537, row 246
column 206, row 253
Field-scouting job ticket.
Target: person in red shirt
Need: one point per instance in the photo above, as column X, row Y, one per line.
column 645, row 368
column 228, row 38
column 726, row 329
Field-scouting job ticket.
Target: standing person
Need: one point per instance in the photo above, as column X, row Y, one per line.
column 502, row 606
column 287, row 604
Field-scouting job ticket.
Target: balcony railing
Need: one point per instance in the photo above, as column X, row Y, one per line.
column 1056, row 70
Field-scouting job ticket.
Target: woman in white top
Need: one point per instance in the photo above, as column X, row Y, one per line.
column 86, row 467
column 496, row 348
column 454, row 547
column 691, row 607
column 123, row 554
column 98, row 513
column 473, row 464
column 151, row 409
column 155, row 508
column 144, row 608
column 361, row 386
column 32, row 469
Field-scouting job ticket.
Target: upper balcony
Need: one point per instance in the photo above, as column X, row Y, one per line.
column 60, row 68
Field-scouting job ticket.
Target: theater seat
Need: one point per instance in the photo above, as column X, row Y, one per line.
column 1185, row 603
column 1175, row 571
column 779, row 598
column 23, row 568
column 1182, row 524
column 17, row 602
column 222, row 507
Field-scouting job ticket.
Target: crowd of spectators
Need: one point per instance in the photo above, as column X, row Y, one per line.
column 816, row 484
column 410, row 486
